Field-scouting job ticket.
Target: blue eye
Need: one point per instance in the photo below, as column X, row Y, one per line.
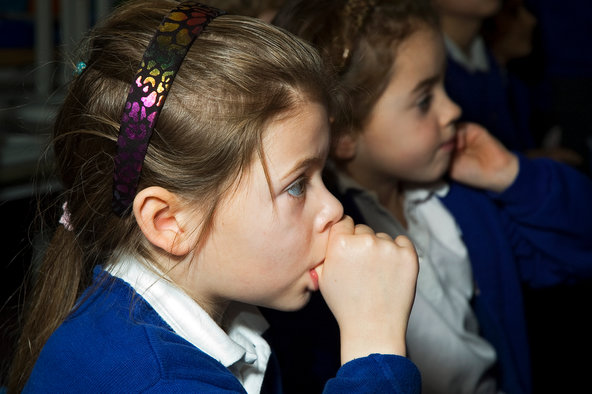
column 297, row 188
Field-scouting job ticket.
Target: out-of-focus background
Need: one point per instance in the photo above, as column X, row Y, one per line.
column 37, row 39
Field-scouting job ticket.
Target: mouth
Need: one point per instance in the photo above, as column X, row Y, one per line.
column 449, row 145
column 314, row 276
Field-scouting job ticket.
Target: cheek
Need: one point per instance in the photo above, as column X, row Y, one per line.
column 286, row 245
column 414, row 141
column 280, row 270
column 420, row 156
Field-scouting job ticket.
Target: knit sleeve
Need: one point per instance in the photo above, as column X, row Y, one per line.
column 376, row 373
column 551, row 204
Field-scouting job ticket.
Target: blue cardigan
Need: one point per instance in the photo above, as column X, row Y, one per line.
column 537, row 233
column 116, row 342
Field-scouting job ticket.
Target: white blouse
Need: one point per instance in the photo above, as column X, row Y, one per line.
column 241, row 349
column 443, row 333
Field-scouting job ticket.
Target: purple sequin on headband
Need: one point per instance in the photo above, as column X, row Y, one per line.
column 147, row 94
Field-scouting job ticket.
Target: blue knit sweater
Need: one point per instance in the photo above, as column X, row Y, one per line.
column 538, row 233
column 115, row 342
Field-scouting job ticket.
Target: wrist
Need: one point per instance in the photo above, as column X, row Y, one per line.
column 506, row 175
column 363, row 342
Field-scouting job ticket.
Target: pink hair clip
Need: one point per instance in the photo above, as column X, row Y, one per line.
column 65, row 219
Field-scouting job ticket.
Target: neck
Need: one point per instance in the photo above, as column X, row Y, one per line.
column 461, row 30
column 184, row 275
column 388, row 190
column 500, row 56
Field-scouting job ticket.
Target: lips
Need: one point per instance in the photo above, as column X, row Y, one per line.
column 315, row 279
column 449, row 145
column 314, row 276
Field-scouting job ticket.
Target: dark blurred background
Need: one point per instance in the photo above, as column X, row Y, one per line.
column 37, row 39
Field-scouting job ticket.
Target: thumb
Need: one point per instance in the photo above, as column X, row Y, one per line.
column 343, row 227
column 319, row 270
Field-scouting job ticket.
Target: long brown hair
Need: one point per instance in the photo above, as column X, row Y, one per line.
column 239, row 74
column 365, row 33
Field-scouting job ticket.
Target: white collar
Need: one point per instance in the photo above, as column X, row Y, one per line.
column 418, row 195
column 243, row 343
column 346, row 182
column 440, row 189
column 475, row 60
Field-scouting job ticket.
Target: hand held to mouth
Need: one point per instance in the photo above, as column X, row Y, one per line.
column 482, row 161
column 368, row 281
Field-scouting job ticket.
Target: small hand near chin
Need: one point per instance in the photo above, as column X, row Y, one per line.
column 368, row 281
column 482, row 161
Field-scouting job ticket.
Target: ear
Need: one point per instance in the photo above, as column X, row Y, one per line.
column 160, row 216
column 346, row 146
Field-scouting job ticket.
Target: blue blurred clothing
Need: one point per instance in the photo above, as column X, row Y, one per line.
column 537, row 233
column 490, row 97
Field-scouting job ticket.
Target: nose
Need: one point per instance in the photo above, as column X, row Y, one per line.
column 450, row 111
column 331, row 211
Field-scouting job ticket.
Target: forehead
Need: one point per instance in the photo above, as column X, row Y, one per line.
column 421, row 55
column 477, row 8
column 301, row 133
column 292, row 143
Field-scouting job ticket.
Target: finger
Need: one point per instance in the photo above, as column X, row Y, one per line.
column 403, row 242
column 363, row 229
column 461, row 136
column 319, row 270
column 384, row 236
column 344, row 226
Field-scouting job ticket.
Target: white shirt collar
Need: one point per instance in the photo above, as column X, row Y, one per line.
column 475, row 60
column 418, row 195
column 440, row 188
column 345, row 183
column 242, row 350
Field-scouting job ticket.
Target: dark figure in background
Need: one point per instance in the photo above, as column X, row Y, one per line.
column 481, row 38
column 509, row 37
column 563, row 82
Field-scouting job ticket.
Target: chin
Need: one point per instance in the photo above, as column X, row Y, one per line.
column 434, row 175
column 293, row 305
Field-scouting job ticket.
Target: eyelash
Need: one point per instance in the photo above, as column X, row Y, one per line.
column 300, row 183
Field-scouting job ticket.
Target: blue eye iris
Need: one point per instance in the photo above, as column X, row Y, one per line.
column 297, row 188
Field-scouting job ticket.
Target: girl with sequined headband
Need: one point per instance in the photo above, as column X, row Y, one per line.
column 191, row 202
column 485, row 221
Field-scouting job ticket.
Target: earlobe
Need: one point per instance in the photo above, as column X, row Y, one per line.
column 158, row 213
column 345, row 147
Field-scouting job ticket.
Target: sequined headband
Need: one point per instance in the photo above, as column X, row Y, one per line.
column 148, row 92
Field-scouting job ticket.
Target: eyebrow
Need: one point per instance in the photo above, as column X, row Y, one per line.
column 308, row 162
column 305, row 163
column 427, row 83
